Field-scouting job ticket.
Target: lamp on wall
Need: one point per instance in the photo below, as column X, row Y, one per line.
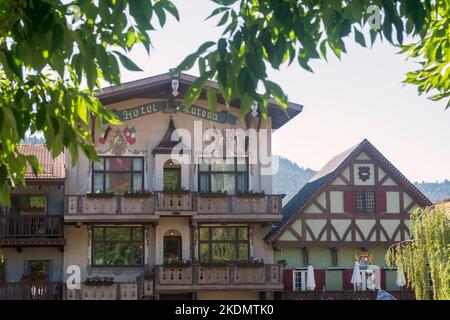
column 255, row 109
column 175, row 86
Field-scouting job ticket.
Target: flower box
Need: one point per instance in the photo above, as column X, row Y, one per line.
column 251, row 194
column 186, row 263
column 138, row 194
column 99, row 281
column 99, row 195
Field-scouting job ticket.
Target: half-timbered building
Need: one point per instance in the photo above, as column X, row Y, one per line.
column 354, row 208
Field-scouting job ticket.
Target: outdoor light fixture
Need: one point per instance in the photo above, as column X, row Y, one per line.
column 175, row 86
column 255, row 109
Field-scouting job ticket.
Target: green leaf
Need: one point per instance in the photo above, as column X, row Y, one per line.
column 169, row 6
column 212, row 98
column 359, row 37
column 127, row 62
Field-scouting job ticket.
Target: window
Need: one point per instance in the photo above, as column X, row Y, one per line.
column 118, row 174
column 299, row 280
column 118, row 246
column 365, row 202
column 39, row 268
column 224, row 176
column 223, row 243
column 28, row 204
column 172, row 175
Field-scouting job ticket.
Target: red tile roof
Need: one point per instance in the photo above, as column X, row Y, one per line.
column 54, row 169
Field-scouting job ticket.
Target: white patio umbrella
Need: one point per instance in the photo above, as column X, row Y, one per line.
column 310, row 280
column 400, row 281
column 356, row 276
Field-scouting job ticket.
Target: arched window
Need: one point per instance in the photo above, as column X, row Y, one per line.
column 172, row 175
column 172, row 245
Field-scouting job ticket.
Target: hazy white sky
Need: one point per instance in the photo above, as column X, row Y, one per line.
column 344, row 101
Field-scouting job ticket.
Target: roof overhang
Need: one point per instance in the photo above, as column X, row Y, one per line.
column 161, row 84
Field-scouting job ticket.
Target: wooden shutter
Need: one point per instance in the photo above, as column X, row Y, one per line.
column 319, row 277
column 383, row 279
column 346, row 278
column 380, row 197
column 287, row 279
column 349, row 201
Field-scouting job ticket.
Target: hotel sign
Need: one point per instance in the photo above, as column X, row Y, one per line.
column 163, row 106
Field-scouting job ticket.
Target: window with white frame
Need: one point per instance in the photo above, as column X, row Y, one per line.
column 299, row 280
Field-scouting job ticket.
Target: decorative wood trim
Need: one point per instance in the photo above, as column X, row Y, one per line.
column 364, row 188
column 361, row 161
column 343, row 178
column 383, row 180
column 410, row 206
column 351, row 173
column 295, row 233
column 318, row 205
column 305, row 256
column 328, row 200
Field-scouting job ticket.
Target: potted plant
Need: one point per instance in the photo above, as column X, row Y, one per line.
column 214, row 263
column 34, row 276
column 251, row 194
column 144, row 193
column 99, row 281
column 177, row 263
column 282, row 262
column 99, row 194
column 175, row 190
column 214, row 194
column 253, row 262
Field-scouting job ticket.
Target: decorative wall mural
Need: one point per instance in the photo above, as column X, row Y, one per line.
column 117, row 143
column 364, row 173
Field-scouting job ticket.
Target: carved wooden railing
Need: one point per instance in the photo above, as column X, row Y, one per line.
column 80, row 204
column 269, row 204
column 115, row 291
column 343, row 295
column 31, row 227
column 173, row 201
column 31, row 291
column 269, row 274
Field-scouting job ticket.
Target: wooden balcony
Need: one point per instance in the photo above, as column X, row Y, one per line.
column 31, row 230
column 118, row 208
column 115, row 291
column 342, row 295
column 227, row 277
column 234, row 207
column 180, row 203
column 203, row 208
column 31, row 291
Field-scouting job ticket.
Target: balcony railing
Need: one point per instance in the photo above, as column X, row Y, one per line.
column 219, row 276
column 115, row 291
column 270, row 204
column 343, row 295
column 80, row 204
column 30, row 291
column 31, row 227
column 172, row 201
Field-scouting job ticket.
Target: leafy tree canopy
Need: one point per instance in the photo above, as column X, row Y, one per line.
column 49, row 48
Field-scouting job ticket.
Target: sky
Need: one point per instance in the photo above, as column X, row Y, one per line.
column 360, row 96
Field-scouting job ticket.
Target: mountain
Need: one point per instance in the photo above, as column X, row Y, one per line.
column 291, row 177
column 435, row 191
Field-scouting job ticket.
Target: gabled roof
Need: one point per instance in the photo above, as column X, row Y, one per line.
column 162, row 83
column 166, row 144
column 54, row 171
column 322, row 179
